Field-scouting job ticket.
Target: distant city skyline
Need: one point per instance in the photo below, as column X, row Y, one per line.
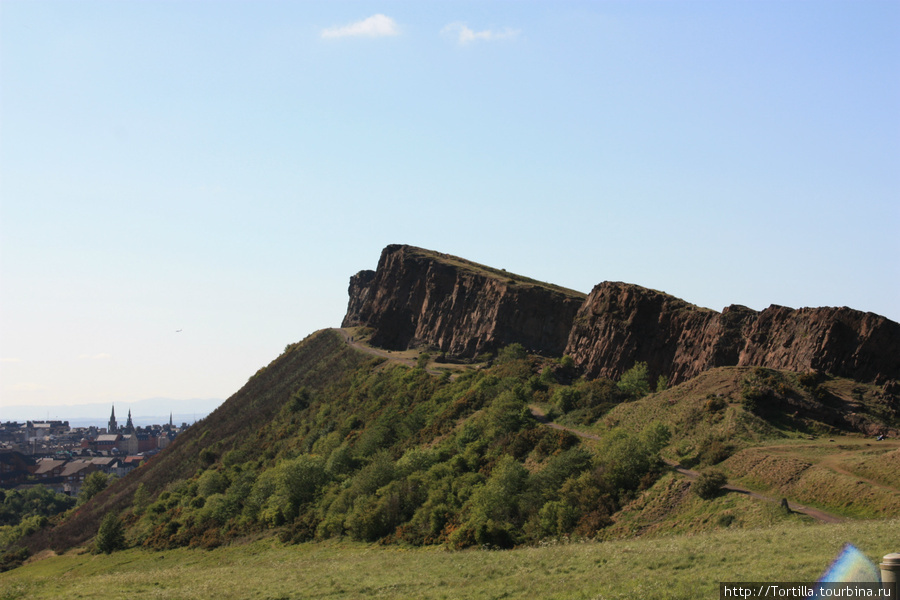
column 144, row 413
column 186, row 187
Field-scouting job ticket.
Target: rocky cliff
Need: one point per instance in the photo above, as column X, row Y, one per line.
column 420, row 298
column 621, row 324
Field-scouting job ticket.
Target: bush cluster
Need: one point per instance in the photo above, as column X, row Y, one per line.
column 397, row 455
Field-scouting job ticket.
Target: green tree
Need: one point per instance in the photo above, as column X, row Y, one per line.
column 93, row 484
column 514, row 351
column 141, row 499
column 111, row 535
column 635, row 382
column 36, row 501
column 662, row 383
column 212, row 482
column 625, row 458
column 656, row 436
column 565, row 398
column 494, row 510
column 278, row 492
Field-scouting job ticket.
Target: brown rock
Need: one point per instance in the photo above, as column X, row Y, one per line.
column 421, row 298
column 621, row 324
column 418, row 297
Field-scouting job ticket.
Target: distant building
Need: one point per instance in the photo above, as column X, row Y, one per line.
column 73, row 475
column 107, row 464
column 48, row 468
column 164, row 439
column 45, row 429
column 129, row 426
column 112, row 427
column 105, row 442
column 15, row 468
column 136, row 443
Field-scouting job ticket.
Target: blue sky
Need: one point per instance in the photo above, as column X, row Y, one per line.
column 224, row 167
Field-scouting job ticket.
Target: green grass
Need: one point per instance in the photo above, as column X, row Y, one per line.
column 670, row 507
column 686, row 566
column 808, row 483
column 880, row 465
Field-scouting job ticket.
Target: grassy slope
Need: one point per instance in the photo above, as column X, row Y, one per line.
column 687, row 566
column 319, row 358
column 847, row 474
column 859, row 481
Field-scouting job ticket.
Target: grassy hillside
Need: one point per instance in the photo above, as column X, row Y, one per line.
column 321, row 358
column 330, row 443
column 668, row 567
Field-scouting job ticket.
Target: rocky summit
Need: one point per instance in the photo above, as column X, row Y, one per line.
column 421, row 298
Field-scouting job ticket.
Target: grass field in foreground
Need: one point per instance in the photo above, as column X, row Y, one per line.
column 667, row 567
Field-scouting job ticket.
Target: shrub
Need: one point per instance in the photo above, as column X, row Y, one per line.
column 278, row 493
column 635, row 381
column 711, row 451
column 809, row 380
column 715, row 403
column 93, row 484
column 662, row 383
column 208, row 456
column 565, row 398
column 111, row 535
column 212, row 482
column 17, row 505
column 514, row 351
column 507, row 413
column 341, row 461
column 709, row 484
column 495, row 516
column 12, row 559
column 141, row 499
column 299, row 400
column 656, row 436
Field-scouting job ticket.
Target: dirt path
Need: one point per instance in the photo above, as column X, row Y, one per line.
column 386, row 354
column 834, row 460
column 823, row 516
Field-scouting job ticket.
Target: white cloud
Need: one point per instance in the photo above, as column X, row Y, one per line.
column 101, row 356
column 375, row 26
column 466, row 35
column 10, row 360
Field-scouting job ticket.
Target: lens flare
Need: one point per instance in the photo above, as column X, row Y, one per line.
column 851, row 565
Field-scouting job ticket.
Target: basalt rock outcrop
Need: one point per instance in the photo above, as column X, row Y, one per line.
column 621, row 324
column 420, row 298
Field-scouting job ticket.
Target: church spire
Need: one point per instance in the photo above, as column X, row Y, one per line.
column 112, row 427
column 129, row 426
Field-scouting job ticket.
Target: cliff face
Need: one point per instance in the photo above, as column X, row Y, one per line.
column 421, row 298
column 620, row 324
column 854, row 344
